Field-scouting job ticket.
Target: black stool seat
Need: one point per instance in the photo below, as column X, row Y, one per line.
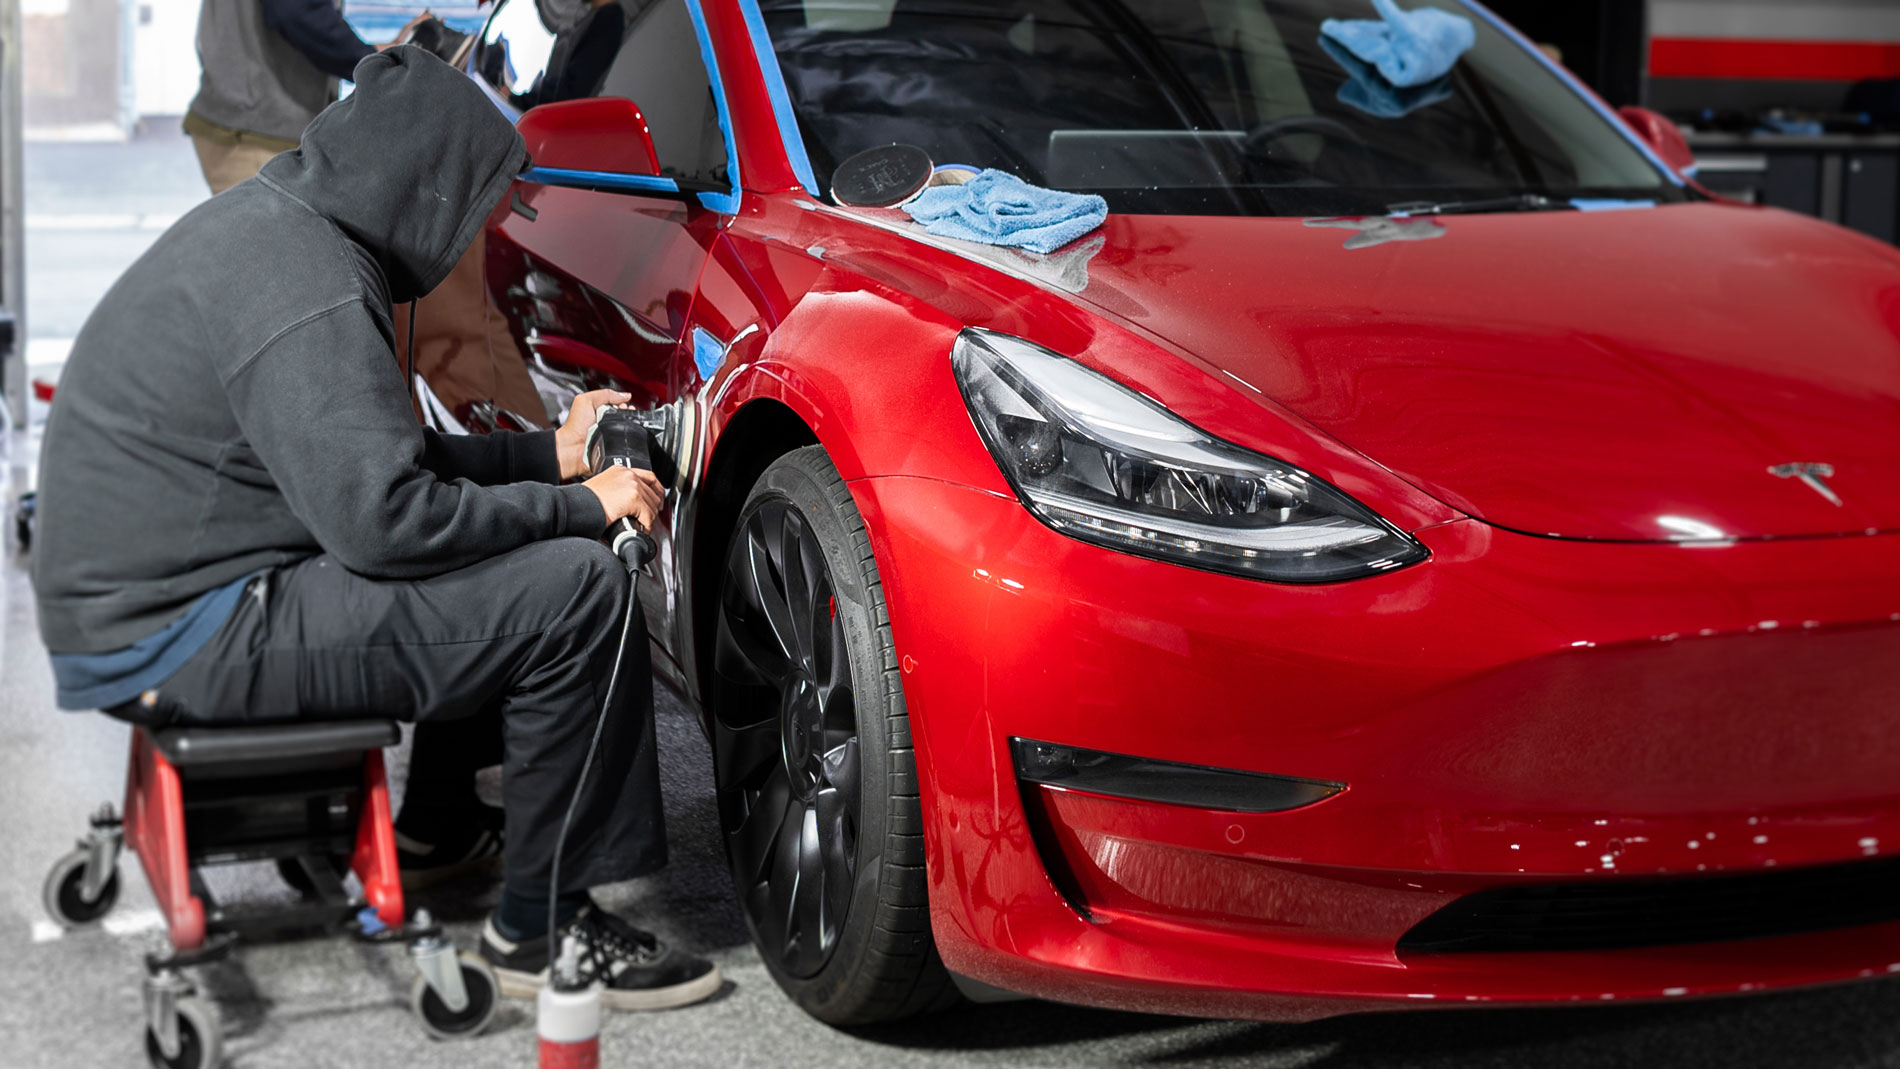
column 196, row 746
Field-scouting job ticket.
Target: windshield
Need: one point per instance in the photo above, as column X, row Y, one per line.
column 1194, row 106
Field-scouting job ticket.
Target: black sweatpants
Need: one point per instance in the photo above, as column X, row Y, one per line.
column 527, row 638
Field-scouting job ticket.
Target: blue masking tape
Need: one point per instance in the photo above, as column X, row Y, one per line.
column 557, row 176
column 1606, row 204
column 719, row 202
column 775, row 88
column 708, row 354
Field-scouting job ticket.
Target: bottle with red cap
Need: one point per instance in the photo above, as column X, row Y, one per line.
column 567, row 1015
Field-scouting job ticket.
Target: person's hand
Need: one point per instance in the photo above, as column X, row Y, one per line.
column 631, row 493
column 570, row 441
column 402, row 37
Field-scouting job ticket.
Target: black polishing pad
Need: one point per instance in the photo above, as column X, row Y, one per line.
column 881, row 177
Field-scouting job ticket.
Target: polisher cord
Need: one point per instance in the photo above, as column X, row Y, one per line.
column 587, row 765
column 410, row 385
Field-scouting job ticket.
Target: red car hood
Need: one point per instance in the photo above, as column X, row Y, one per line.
column 1606, row 375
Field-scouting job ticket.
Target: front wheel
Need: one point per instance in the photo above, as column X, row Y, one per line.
column 811, row 750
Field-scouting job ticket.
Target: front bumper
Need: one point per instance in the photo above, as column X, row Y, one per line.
column 1513, row 710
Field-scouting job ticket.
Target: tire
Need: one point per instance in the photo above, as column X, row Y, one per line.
column 484, row 995
column 815, row 776
column 61, row 892
column 200, row 1038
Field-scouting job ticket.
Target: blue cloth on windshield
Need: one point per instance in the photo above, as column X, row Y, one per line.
column 103, row 680
column 1368, row 91
column 1408, row 48
column 998, row 208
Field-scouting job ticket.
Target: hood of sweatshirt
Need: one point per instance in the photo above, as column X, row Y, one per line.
column 408, row 165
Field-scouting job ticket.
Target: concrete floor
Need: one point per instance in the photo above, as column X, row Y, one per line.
column 73, row 1000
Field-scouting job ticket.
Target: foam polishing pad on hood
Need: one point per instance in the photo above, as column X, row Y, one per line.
column 881, row 177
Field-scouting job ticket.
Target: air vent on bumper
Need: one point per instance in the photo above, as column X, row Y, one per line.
column 1148, row 780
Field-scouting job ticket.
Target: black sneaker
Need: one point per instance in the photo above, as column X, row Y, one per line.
column 471, row 844
column 638, row 970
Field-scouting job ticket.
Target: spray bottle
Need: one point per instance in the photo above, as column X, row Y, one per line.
column 567, row 1014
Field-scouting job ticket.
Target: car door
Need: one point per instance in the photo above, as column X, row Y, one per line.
column 593, row 272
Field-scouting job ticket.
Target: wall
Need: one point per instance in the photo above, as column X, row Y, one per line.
column 165, row 55
column 72, row 64
column 1751, row 54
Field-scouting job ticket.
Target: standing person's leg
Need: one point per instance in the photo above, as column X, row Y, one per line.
column 537, row 629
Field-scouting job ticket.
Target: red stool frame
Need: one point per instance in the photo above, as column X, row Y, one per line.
column 155, row 830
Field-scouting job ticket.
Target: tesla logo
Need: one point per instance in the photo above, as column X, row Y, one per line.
column 1812, row 474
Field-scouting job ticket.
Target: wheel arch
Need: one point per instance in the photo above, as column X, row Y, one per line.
column 756, row 434
column 861, row 372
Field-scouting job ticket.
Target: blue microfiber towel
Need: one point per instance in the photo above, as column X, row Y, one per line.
column 1368, row 91
column 1409, row 48
column 998, row 208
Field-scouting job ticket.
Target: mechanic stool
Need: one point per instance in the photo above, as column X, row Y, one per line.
column 312, row 797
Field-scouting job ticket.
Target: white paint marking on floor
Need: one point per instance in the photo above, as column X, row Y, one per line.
column 132, row 922
column 46, row 931
column 111, row 221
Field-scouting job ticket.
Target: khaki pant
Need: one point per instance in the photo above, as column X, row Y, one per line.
column 227, row 164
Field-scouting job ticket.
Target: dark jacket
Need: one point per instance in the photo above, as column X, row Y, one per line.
column 316, row 28
column 235, row 401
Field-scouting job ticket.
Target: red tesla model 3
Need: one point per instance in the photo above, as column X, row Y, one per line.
column 1421, row 550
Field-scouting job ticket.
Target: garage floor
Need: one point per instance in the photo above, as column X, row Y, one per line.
column 72, row 1000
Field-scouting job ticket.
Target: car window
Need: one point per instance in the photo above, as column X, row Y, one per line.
column 543, row 51
column 1194, row 106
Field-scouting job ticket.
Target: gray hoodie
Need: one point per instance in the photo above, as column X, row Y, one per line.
column 235, row 400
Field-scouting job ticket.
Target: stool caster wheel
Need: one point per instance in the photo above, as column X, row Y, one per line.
column 199, row 1040
column 481, row 993
column 68, row 898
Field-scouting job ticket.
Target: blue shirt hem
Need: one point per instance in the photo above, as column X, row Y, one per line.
column 103, row 680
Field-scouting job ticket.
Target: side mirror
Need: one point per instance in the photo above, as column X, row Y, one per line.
column 1661, row 135
column 594, row 134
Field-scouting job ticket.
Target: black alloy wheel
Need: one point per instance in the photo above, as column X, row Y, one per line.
column 798, row 764
column 811, row 748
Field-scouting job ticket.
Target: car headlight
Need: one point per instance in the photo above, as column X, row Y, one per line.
column 1099, row 462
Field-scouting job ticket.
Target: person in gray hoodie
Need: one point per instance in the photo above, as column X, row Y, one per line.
column 241, row 520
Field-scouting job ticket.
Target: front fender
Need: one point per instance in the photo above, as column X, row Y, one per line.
column 867, row 369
